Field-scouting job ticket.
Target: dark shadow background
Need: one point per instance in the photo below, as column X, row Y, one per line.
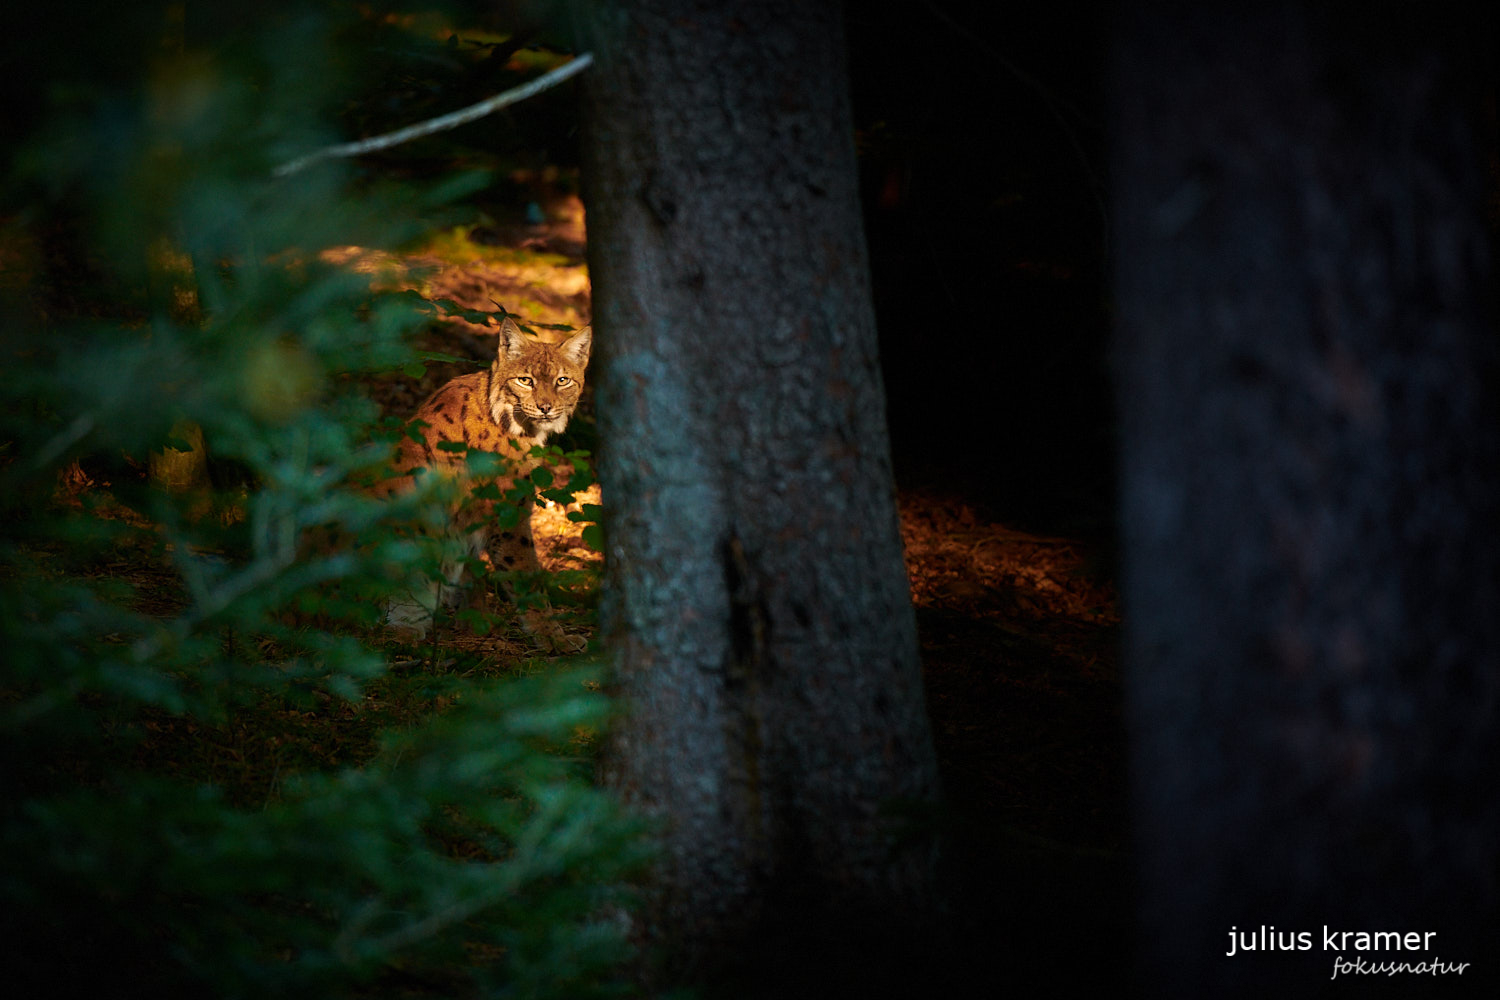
column 982, row 151
column 982, row 154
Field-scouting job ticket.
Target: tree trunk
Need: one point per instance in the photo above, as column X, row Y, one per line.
column 1311, row 491
column 757, row 605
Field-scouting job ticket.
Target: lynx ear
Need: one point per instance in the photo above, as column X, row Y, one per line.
column 512, row 340
column 576, row 347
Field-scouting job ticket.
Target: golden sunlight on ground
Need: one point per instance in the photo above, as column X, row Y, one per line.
column 535, row 270
column 952, row 555
column 559, row 541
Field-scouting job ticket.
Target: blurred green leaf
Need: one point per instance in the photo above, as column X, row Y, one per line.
column 215, row 783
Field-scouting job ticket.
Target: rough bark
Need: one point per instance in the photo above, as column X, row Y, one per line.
column 757, row 605
column 1311, row 488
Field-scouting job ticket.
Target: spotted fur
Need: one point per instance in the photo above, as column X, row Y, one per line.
column 527, row 394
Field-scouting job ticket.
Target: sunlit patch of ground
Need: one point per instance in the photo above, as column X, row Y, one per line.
column 535, row 270
column 559, row 541
column 954, row 558
column 1019, row 641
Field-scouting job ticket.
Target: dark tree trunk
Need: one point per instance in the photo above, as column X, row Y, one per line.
column 1311, row 490
column 758, row 609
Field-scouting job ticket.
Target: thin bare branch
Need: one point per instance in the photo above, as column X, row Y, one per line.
column 451, row 120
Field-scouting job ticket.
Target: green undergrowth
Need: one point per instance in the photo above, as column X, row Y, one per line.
column 219, row 777
column 455, row 246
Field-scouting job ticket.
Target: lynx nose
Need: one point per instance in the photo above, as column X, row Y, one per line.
column 544, row 408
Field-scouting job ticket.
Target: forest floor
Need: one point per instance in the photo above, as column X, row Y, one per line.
column 1019, row 635
column 1019, row 638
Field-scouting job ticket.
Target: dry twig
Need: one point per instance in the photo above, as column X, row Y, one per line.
column 442, row 123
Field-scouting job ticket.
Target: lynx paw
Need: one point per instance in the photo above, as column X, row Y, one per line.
column 550, row 635
column 566, row 643
column 407, row 619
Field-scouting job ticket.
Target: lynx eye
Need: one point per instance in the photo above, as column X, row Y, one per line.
column 563, row 380
column 524, row 379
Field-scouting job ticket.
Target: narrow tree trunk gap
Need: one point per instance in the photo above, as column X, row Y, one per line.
column 758, row 609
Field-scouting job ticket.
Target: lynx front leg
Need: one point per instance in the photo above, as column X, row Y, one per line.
column 512, row 552
column 411, row 613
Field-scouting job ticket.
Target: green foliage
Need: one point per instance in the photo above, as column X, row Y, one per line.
column 150, row 634
column 459, row 836
column 593, row 530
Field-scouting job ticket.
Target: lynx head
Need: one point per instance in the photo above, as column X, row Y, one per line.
column 535, row 385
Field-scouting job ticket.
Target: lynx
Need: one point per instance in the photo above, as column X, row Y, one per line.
column 529, row 392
